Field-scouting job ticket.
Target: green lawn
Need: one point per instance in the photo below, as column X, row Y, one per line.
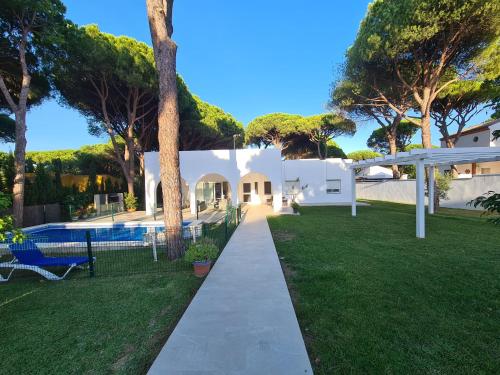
column 90, row 326
column 371, row 298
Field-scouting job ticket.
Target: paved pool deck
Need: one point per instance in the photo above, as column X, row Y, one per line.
column 241, row 320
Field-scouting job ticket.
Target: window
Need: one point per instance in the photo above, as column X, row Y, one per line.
column 247, row 187
column 256, row 187
column 292, row 187
column 475, row 139
column 267, row 188
column 333, row 186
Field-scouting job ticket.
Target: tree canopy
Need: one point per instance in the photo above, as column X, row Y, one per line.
column 322, row 128
column 417, row 42
column 275, row 129
column 363, row 155
column 298, row 136
column 378, row 141
column 7, row 129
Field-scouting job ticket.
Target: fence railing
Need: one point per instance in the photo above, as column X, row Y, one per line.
column 110, row 209
column 146, row 252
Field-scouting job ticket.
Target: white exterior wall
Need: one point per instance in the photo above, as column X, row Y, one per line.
column 231, row 164
column 461, row 191
column 399, row 191
column 313, row 174
column 253, row 165
column 255, row 197
column 484, row 139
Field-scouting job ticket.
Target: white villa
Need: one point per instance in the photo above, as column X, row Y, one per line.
column 478, row 136
column 251, row 176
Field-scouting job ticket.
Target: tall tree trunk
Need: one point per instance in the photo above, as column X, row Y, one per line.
column 393, row 149
column 165, row 50
column 426, row 127
column 19, row 111
column 320, row 155
column 130, row 159
column 19, row 167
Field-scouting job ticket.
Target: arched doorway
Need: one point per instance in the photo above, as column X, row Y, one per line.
column 213, row 191
column 255, row 188
column 184, row 193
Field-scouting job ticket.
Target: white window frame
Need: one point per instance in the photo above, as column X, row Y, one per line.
column 292, row 183
column 332, row 191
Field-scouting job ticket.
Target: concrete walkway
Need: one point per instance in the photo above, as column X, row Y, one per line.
column 241, row 320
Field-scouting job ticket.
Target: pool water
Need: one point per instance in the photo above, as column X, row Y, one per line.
column 101, row 234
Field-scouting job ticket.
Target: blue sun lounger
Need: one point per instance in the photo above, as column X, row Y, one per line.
column 29, row 257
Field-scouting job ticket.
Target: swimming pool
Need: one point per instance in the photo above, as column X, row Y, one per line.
column 61, row 233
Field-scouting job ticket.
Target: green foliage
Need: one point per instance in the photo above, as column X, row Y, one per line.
column 273, row 129
column 404, row 29
column 7, row 129
column 201, row 251
column 363, row 155
column 7, row 172
column 322, row 128
column 295, row 206
column 41, row 190
column 98, row 157
column 378, row 139
column 130, row 201
column 333, row 150
column 207, row 127
column 443, row 184
column 496, row 135
column 42, row 21
column 7, row 222
column 92, row 187
column 490, row 202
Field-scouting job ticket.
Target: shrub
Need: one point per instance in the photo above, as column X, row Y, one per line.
column 201, row 251
column 295, row 206
column 491, row 204
column 130, row 201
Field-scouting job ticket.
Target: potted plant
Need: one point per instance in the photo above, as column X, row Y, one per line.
column 92, row 212
column 75, row 215
column 295, row 207
column 201, row 254
column 130, row 202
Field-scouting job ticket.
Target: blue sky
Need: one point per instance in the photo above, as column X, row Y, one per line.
column 247, row 57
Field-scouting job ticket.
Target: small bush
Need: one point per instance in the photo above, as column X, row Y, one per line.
column 201, row 251
column 295, row 206
column 491, row 204
column 130, row 202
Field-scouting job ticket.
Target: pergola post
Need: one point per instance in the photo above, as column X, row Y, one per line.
column 420, row 198
column 353, row 192
column 431, row 190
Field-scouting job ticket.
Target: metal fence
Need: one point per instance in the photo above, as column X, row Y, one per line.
column 40, row 256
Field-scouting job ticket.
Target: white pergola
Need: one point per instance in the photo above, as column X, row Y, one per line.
column 426, row 158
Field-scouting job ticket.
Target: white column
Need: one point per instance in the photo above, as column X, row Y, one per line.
column 353, row 192
column 431, row 190
column 192, row 199
column 420, row 199
column 151, row 197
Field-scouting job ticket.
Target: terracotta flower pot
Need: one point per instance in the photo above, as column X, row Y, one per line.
column 202, row 268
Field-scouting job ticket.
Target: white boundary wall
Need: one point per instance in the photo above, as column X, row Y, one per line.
column 403, row 191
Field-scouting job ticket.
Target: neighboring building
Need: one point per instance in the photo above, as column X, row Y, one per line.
column 376, row 172
column 478, row 136
column 251, row 176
